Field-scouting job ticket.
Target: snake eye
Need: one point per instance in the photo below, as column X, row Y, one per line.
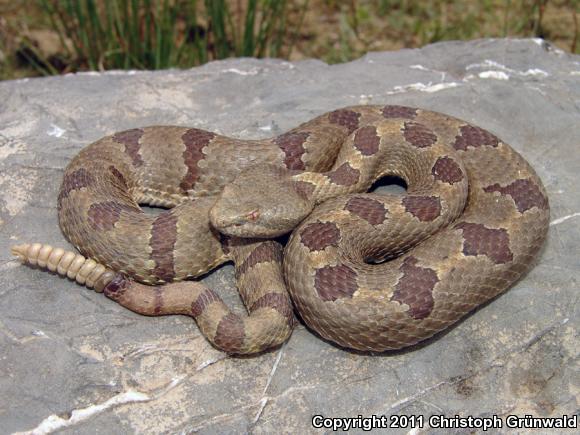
column 253, row 215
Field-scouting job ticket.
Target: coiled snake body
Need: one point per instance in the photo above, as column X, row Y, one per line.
column 367, row 271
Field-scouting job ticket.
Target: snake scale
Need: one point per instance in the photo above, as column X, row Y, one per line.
column 367, row 271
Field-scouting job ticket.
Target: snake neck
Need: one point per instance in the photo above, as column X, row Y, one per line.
column 317, row 187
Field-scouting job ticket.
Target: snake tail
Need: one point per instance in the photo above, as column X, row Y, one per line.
column 224, row 329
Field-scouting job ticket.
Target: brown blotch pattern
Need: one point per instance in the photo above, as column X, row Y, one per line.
column 277, row 302
column 335, row 282
column 419, row 135
column 319, row 235
column 158, row 304
column 206, row 298
column 103, row 216
column 230, row 333
column 491, row 242
column 415, row 288
column 345, row 175
column 366, row 140
column 265, row 252
column 447, row 170
column 73, row 181
column 346, row 118
column 369, row 209
column 525, row 193
column 471, row 136
column 399, row 112
column 119, row 177
column 424, row 208
column 130, row 139
column 293, row 146
column 163, row 238
column 116, row 287
column 195, row 140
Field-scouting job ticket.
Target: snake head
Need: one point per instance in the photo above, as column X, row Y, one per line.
column 261, row 202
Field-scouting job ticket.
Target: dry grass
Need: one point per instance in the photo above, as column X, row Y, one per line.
column 192, row 32
column 337, row 31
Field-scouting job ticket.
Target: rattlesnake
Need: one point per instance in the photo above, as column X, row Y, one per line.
column 366, row 271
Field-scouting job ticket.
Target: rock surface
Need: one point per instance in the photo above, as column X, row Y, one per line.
column 72, row 359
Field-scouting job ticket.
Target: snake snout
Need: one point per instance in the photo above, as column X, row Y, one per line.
column 221, row 221
column 230, row 221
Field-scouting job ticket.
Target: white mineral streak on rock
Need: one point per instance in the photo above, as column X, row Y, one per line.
column 498, row 75
column 53, row 422
column 55, row 131
column 563, row 219
column 250, row 72
column 502, row 72
column 423, row 87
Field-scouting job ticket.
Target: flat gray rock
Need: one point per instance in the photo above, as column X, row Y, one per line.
column 72, row 359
